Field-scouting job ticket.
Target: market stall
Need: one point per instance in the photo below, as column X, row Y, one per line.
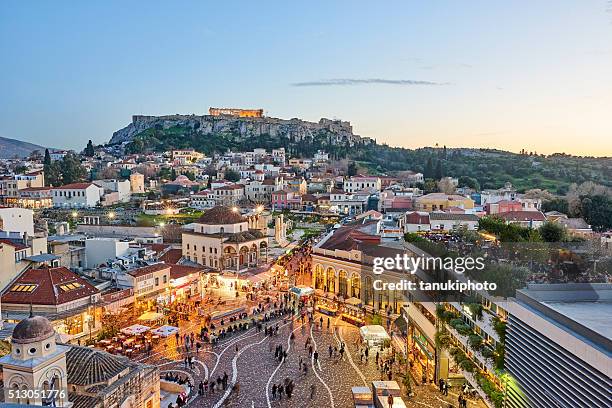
column 327, row 306
column 151, row 317
column 135, row 329
column 165, row 331
column 375, row 336
column 352, row 312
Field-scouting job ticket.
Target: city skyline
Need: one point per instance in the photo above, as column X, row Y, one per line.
column 507, row 76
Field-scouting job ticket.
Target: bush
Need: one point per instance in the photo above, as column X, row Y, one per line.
column 475, row 341
column 467, row 365
column 487, row 352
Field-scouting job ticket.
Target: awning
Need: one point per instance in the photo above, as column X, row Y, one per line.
column 135, row 329
column 301, row 291
column 260, row 277
column 165, row 331
column 353, row 301
column 150, row 316
column 423, row 347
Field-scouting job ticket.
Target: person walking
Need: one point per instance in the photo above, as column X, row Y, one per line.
column 316, row 357
column 331, row 351
column 313, row 390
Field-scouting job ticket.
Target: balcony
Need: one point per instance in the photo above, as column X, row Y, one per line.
column 474, row 354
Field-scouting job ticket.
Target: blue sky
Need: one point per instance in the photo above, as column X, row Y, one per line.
column 510, row 75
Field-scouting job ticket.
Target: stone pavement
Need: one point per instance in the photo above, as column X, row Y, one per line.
column 249, row 363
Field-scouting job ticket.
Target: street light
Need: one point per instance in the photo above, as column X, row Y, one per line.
column 235, row 209
column 75, row 214
column 111, row 215
column 259, row 208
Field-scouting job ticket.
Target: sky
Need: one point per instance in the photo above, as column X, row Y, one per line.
column 504, row 74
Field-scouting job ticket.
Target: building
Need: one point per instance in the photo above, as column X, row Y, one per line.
column 11, row 185
column 137, row 182
column 527, row 219
column 101, row 250
column 151, row 285
column 203, row 199
column 186, row 156
column 241, row 113
column 502, row 206
column 558, row 346
column 416, row 221
column 441, row 221
column 286, row 200
column 32, row 197
column 261, row 191
column 84, row 377
column 60, row 295
column 19, row 220
column 229, row 195
column 347, row 203
column 77, row 195
column 222, row 239
column 121, row 187
column 440, row 201
column 362, row 183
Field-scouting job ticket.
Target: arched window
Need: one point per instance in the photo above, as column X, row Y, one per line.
column 331, row 280
column 342, row 284
column 319, row 277
column 356, row 287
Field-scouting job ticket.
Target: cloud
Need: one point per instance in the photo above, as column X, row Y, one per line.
column 355, row 81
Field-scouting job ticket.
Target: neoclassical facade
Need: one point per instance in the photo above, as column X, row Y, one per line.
column 342, row 267
column 225, row 240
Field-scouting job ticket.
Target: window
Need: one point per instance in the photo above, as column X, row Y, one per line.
column 165, row 278
column 156, row 281
column 23, row 288
column 70, row 286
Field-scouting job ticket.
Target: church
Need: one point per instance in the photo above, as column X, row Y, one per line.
column 69, row 376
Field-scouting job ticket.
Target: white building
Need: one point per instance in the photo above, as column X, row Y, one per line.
column 101, row 250
column 16, row 220
column 77, row 195
column 122, row 187
column 359, row 183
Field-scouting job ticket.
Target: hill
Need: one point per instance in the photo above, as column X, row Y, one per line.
column 10, row 148
column 488, row 168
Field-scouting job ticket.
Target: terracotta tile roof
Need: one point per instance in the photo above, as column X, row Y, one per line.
column 74, row 186
column 523, row 216
column 350, row 237
column 53, row 286
column 148, row 269
column 172, row 256
column 180, row 271
column 18, row 247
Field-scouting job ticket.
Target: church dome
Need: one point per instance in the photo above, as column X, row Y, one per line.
column 32, row 329
column 221, row 215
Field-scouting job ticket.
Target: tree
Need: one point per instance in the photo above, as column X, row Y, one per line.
column 439, row 172
column 597, row 211
column 430, row 186
column 465, row 181
column 72, row 170
column 231, row 175
column 429, row 170
column 47, row 160
column 446, row 186
column 552, row 232
column 89, row 149
column 352, row 169
column 53, row 174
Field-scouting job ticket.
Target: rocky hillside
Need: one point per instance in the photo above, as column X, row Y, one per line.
column 242, row 129
column 10, row 148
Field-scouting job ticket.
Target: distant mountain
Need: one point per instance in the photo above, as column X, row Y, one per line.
column 10, row 148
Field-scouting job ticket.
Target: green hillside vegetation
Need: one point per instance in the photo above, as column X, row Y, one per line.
column 490, row 168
